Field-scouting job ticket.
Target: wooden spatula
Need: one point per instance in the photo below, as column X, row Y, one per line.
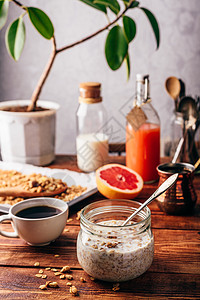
column 19, row 191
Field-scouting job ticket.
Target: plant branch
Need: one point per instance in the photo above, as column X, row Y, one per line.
column 97, row 32
column 18, row 4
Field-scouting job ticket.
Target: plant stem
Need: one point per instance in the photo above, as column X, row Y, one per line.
column 97, row 32
column 19, row 4
column 43, row 77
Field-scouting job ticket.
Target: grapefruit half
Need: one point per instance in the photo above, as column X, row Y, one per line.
column 116, row 181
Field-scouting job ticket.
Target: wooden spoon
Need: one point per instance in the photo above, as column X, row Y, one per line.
column 173, row 88
column 19, row 191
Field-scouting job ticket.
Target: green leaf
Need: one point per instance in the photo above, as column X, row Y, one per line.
column 154, row 25
column 4, row 5
column 112, row 4
column 128, row 68
column 15, row 38
column 41, row 22
column 129, row 28
column 97, row 6
column 135, row 4
column 116, row 47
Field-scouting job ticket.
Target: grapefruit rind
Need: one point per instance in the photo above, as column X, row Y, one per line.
column 112, row 192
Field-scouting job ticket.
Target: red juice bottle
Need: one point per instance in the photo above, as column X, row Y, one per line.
column 143, row 134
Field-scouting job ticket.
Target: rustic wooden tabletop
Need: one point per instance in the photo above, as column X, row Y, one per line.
column 174, row 274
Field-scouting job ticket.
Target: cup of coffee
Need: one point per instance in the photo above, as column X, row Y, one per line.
column 38, row 221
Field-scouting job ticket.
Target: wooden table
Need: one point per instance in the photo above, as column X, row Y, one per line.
column 174, row 274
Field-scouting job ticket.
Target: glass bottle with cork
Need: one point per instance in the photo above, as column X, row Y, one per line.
column 143, row 133
column 91, row 119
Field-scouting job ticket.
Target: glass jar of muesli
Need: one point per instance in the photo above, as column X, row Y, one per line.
column 108, row 251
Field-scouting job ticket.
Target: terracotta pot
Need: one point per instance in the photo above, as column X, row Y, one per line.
column 28, row 137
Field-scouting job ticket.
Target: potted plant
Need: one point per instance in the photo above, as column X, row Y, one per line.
column 22, row 121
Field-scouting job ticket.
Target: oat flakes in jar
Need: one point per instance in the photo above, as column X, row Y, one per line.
column 108, row 251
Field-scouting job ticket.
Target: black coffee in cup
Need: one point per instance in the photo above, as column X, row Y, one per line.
column 38, row 212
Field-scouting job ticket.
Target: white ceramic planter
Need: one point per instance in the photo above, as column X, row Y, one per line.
column 28, row 137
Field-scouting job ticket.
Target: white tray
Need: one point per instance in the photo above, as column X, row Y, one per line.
column 70, row 177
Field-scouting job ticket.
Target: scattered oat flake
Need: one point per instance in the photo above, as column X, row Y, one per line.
column 53, row 284
column 82, row 279
column 116, row 287
column 69, row 220
column 57, row 273
column 56, row 255
column 73, row 290
column 47, row 283
column 47, row 269
column 54, row 270
column 44, row 276
column 78, row 215
column 65, row 269
column 69, row 277
column 66, row 230
column 38, row 275
column 41, row 272
column 62, row 276
column 36, row 264
column 69, row 283
column 43, row 287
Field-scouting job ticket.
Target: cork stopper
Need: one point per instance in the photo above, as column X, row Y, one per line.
column 90, row 92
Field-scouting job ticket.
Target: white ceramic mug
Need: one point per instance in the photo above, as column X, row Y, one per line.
column 40, row 231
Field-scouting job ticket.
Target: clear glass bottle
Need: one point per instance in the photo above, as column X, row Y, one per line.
column 143, row 143
column 108, row 251
column 91, row 119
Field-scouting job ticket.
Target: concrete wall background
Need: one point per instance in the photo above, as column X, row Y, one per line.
column 178, row 55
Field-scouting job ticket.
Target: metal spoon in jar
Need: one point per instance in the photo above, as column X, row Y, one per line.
column 162, row 188
column 188, row 107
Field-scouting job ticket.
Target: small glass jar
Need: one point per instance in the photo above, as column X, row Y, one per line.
column 108, row 251
column 190, row 148
column 91, row 120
